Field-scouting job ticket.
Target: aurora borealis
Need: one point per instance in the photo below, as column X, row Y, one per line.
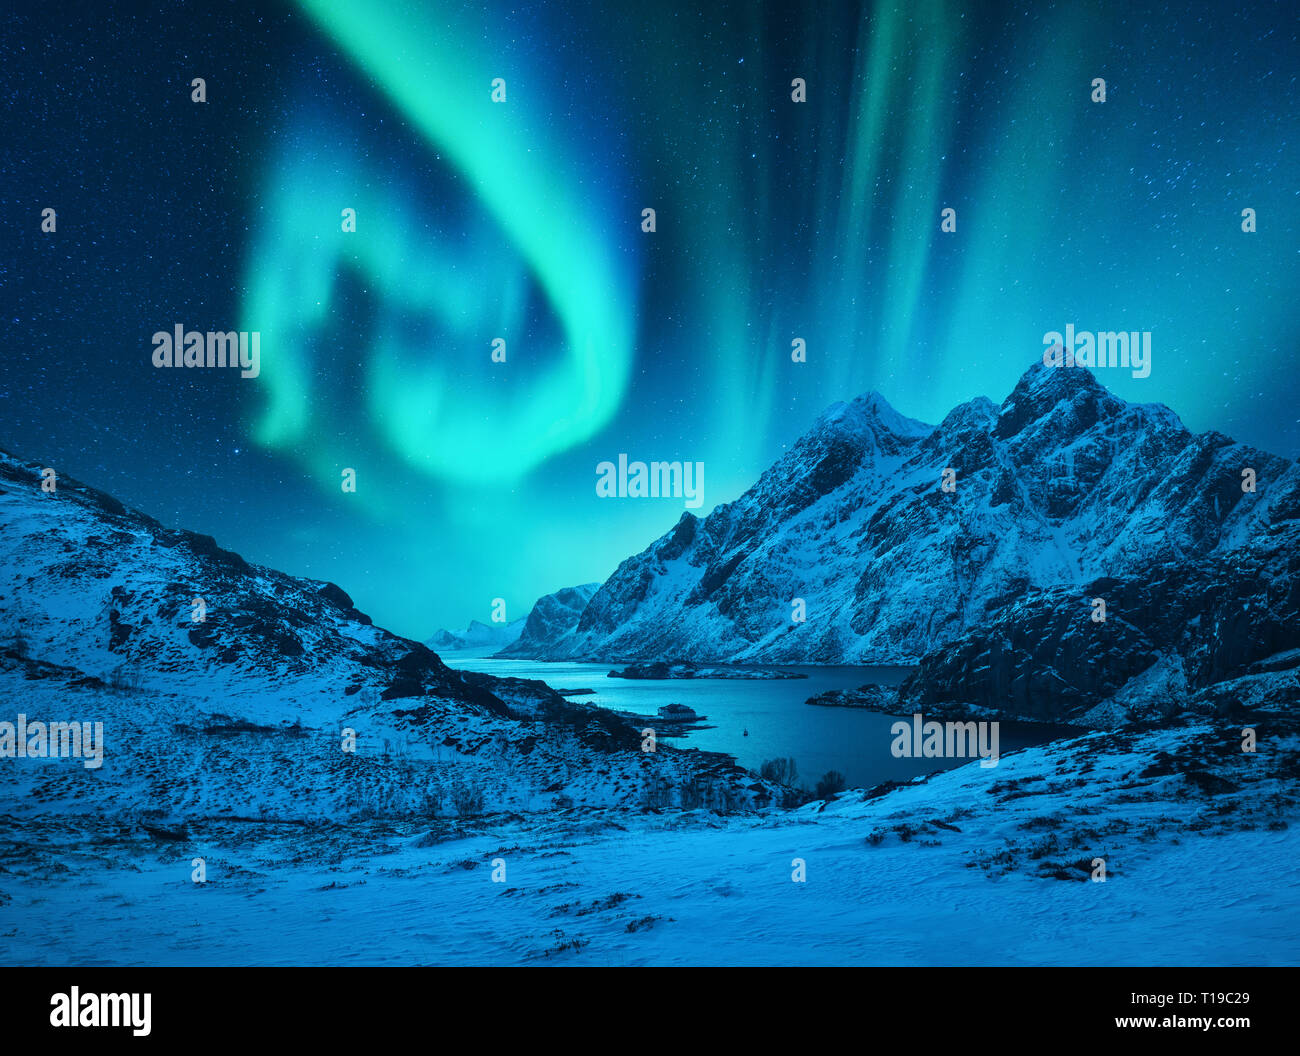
column 440, row 298
column 521, row 220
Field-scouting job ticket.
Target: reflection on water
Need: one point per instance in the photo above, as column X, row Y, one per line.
column 757, row 720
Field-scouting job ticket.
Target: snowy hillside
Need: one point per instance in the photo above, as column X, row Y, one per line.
column 245, row 711
column 973, row 866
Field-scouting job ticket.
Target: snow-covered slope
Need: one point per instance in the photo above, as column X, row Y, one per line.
column 246, row 709
column 970, row 867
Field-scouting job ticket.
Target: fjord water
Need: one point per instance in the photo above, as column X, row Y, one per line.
column 780, row 722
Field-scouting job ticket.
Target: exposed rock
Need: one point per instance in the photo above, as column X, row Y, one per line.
column 551, row 618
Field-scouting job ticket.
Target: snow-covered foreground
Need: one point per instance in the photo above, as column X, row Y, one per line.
column 974, row 866
column 354, row 799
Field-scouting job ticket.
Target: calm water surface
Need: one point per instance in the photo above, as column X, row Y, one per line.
column 775, row 714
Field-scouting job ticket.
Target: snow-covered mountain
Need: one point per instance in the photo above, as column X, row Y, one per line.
column 1062, row 494
column 478, row 636
column 550, row 620
column 222, row 747
column 244, row 709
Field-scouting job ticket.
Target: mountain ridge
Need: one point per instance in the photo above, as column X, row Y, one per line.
column 1059, row 488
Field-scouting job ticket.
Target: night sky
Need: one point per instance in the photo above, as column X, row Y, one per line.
column 522, row 220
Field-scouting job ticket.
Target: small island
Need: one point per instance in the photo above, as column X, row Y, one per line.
column 871, row 697
column 684, row 669
column 673, row 720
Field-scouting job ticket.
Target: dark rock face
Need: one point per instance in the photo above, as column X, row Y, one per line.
column 552, row 617
column 333, row 592
column 206, row 546
column 1041, row 658
column 870, row 697
column 1045, row 658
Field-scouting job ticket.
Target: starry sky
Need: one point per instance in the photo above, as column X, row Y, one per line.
column 522, row 220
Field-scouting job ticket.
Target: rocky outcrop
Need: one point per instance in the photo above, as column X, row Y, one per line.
column 552, row 618
column 662, row 669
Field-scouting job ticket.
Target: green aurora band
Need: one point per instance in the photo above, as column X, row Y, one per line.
column 427, row 398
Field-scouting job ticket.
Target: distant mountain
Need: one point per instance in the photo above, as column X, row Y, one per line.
column 552, row 618
column 478, row 636
column 1063, row 493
